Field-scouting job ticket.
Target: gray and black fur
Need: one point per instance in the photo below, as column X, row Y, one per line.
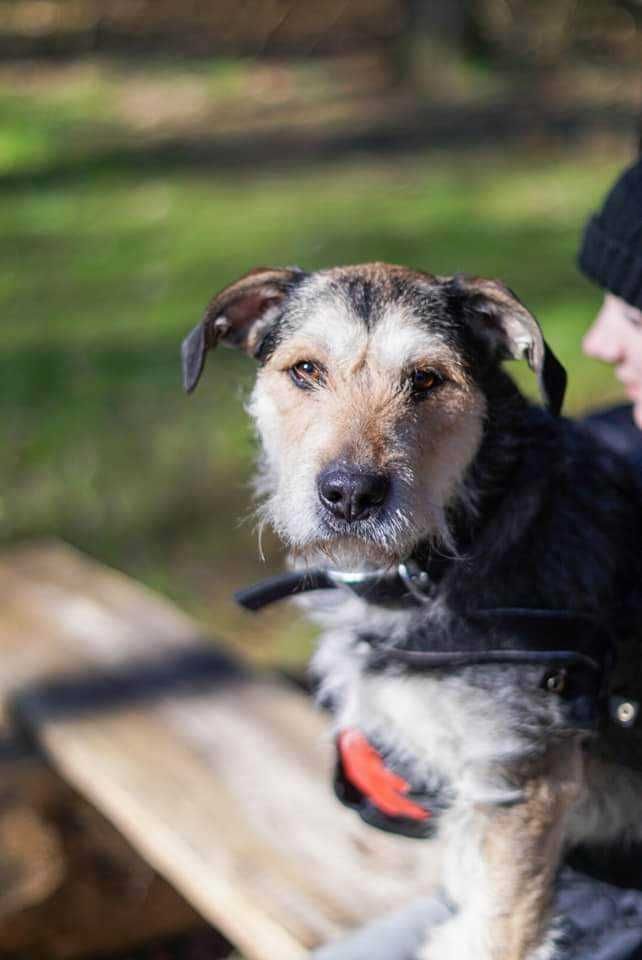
column 529, row 510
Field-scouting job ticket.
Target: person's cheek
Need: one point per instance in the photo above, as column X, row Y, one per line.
column 588, row 342
column 601, row 340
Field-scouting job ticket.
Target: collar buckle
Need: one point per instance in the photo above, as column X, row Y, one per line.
column 416, row 580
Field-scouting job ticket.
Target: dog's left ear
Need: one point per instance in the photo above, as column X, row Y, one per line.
column 239, row 316
column 513, row 332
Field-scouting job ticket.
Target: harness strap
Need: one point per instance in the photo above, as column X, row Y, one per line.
column 365, row 769
column 571, row 643
column 430, row 659
column 382, row 796
column 521, row 635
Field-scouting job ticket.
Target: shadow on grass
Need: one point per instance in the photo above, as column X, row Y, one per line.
column 505, row 123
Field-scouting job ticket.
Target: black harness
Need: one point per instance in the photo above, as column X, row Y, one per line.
column 574, row 650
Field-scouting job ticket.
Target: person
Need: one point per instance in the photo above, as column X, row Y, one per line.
column 599, row 902
column 616, row 338
column 611, row 256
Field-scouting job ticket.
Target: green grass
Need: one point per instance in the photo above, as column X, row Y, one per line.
column 105, row 271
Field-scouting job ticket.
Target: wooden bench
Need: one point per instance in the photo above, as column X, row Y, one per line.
column 218, row 777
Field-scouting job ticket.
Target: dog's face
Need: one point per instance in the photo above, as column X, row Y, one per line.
column 368, row 401
column 368, row 418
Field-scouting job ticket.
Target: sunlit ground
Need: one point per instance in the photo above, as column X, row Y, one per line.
column 109, row 255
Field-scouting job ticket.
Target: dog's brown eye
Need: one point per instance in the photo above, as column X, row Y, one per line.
column 306, row 374
column 423, row 381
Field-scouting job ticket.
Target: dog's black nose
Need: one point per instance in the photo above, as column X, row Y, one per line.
column 351, row 494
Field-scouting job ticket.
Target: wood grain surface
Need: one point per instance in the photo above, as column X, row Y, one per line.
column 220, row 780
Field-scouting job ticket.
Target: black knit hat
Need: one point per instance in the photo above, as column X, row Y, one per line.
column 611, row 251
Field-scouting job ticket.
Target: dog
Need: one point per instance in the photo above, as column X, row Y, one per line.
column 390, row 432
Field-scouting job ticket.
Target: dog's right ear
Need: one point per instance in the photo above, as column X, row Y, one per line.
column 512, row 332
column 238, row 316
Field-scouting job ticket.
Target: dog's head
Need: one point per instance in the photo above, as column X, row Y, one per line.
column 370, row 400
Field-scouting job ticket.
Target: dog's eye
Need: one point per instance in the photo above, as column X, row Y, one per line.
column 306, row 374
column 423, row 381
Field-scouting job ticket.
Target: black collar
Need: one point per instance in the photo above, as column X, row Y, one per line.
column 407, row 584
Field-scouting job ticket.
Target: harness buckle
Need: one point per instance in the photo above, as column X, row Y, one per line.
column 624, row 711
column 415, row 579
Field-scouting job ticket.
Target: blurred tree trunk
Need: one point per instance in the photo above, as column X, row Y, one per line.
column 441, row 23
column 436, row 35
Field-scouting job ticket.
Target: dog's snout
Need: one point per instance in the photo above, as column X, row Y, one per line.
column 350, row 493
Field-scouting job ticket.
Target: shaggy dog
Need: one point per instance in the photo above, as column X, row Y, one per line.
column 390, row 432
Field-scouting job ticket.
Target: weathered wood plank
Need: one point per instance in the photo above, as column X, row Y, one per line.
column 224, row 791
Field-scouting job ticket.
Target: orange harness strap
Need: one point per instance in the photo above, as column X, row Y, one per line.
column 365, row 769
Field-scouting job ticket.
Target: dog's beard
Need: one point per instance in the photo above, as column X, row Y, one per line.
column 381, row 541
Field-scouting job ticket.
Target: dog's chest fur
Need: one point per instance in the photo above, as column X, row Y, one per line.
column 567, row 539
column 458, row 734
